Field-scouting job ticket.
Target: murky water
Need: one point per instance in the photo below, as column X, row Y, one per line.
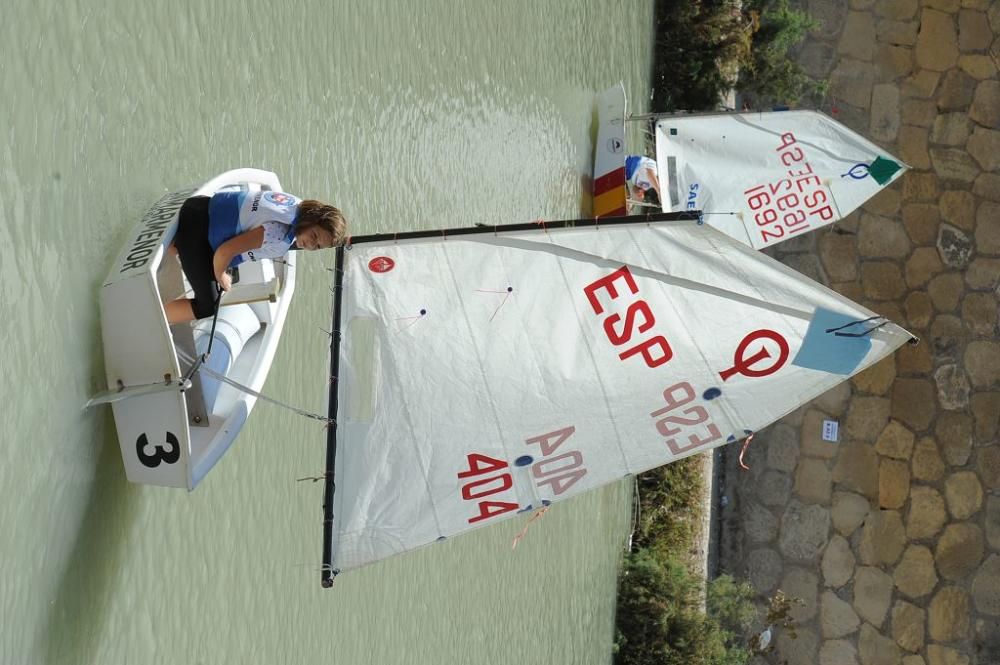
column 407, row 116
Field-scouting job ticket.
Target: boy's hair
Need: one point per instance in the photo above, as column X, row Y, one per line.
column 327, row 217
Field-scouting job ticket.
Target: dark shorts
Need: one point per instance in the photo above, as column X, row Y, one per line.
column 196, row 255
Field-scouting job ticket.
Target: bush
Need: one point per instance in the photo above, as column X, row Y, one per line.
column 660, row 619
column 705, row 47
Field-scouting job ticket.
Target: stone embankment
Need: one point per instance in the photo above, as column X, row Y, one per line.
column 891, row 536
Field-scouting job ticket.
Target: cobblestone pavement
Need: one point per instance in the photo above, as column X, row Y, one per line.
column 891, row 537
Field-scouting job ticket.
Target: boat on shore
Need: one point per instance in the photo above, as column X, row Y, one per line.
column 177, row 406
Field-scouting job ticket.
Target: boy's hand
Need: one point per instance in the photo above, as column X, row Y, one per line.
column 225, row 281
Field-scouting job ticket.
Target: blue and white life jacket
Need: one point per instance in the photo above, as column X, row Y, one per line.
column 635, row 166
column 233, row 213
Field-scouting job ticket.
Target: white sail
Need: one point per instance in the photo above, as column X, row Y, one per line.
column 481, row 376
column 766, row 177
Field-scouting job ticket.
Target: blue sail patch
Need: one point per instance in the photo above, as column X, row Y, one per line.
column 830, row 352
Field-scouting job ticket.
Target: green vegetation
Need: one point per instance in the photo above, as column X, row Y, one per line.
column 704, row 48
column 666, row 615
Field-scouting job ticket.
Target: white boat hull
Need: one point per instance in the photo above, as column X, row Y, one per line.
column 166, row 438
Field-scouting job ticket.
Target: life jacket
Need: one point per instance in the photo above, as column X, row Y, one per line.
column 232, row 213
column 634, row 164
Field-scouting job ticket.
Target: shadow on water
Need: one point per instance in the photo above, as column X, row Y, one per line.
column 74, row 626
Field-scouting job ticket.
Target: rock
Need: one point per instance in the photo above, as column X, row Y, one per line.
column 919, row 113
column 813, row 481
column 984, row 146
column 973, row 31
column 958, row 207
column 912, row 143
column 894, row 483
column 985, row 108
column 880, row 237
column 897, row 10
column 857, row 469
column 954, row 247
column 799, row 650
column 993, row 521
column 988, row 466
column 852, row 81
column 921, row 221
column 942, row 655
column 872, row 593
column 838, row 652
column 954, row 164
column 946, row 291
column 885, row 119
column 948, row 615
column 927, row 513
column 830, row 17
column 882, row 280
column 913, row 402
column 848, row 512
column 834, row 400
column 915, row 575
column 987, row 186
column 987, row 228
column 876, row 649
column 986, row 410
column 804, row 585
column 837, row 618
column 923, row 187
column 782, row 449
column 921, row 84
column 951, row 129
column 921, row 266
column 977, row 66
column 959, row 550
column 759, row 523
column 804, row 531
column 857, row 40
column 839, row 256
column 764, row 569
column 957, row 89
column 838, row 562
column 983, row 273
column 952, row 387
column 918, row 312
column 893, row 62
column 979, row 311
column 964, row 494
column 948, row 335
column 908, row 625
column 812, row 443
column 878, row 378
column 867, row 417
column 937, row 43
column 882, row 538
column 895, row 441
column 986, row 587
column 927, row 462
column 954, row 433
column 982, row 362
column 774, row 488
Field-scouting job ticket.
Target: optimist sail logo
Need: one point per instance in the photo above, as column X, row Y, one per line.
column 381, row 264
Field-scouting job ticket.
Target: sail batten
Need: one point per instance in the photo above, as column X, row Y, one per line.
column 481, row 375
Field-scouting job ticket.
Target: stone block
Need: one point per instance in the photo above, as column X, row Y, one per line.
column 804, row 531
column 948, row 615
column 979, row 311
column 982, row 363
column 813, row 481
column 838, row 562
column 921, row 221
column 986, row 587
column 923, row 264
column 877, row 379
column 927, row 463
column 959, row 550
column 984, row 146
column 946, row 291
column 927, row 513
column 954, row 247
column 908, row 626
column 964, row 494
column 882, row 280
column 919, row 311
column 985, row 108
column 913, row 402
column 974, row 32
column 951, row 129
column 872, row 594
column 937, row 41
column 986, row 412
column 837, row 617
column 958, row 207
column 988, row 228
column 848, row 512
column 857, row 40
column 882, row 538
column 954, row 434
column 983, row 273
column 876, row 649
column 893, row 483
column 952, row 387
column 915, row 576
column 954, row 164
column 881, row 237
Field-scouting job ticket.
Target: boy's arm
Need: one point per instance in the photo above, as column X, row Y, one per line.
column 227, row 251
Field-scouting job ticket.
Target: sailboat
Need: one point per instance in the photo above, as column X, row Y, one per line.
column 480, row 374
column 171, row 388
column 760, row 177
